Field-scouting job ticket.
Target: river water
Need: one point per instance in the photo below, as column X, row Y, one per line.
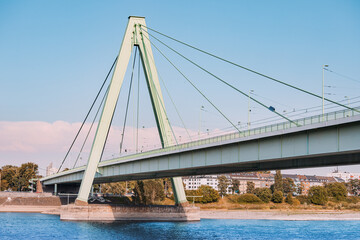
column 39, row 226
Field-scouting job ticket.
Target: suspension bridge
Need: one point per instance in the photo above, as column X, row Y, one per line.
column 326, row 139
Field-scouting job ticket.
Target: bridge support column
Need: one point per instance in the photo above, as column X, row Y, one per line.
column 179, row 192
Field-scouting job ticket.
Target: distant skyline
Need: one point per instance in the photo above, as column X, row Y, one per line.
column 54, row 56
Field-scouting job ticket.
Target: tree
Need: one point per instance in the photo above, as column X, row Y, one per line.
column 223, row 183
column 278, row 185
column 235, row 184
column 114, row 188
column 317, row 195
column 148, row 192
column 299, row 188
column 264, row 194
column 9, row 174
column 17, row 178
column 277, row 197
column 353, row 187
column 250, row 187
column 288, row 186
column 26, row 172
column 168, row 187
column 336, row 190
column 289, row 199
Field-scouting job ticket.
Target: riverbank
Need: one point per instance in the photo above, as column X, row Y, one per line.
column 280, row 215
column 31, row 209
column 225, row 214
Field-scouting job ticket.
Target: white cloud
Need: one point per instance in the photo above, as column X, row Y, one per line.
column 44, row 142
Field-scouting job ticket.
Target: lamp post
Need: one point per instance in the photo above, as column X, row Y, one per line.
column 323, row 68
column 248, row 123
column 201, row 109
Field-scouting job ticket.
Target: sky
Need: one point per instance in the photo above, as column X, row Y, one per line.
column 54, row 56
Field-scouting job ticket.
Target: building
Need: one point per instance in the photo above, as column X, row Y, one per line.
column 50, row 170
column 302, row 182
column 346, row 176
column 194, row 182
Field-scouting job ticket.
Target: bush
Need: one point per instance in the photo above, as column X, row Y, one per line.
column 248, row 198
column 208, row 194
column 277, row 197
column 303, row 199
column 295, row 202
column 264, row 194
column 336, row 190
column 353, row 199
column 318, row 195
column 289, row 199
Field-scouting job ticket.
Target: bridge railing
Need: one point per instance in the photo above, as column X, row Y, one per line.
column 255, row 131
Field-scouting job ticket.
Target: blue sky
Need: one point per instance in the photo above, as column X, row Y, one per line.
column 54, row 56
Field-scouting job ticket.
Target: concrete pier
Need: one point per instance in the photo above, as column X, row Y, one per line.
column 101, row 212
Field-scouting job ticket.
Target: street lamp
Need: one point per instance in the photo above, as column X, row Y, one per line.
column 323, row 68
column 201, row 109
column 248, row 124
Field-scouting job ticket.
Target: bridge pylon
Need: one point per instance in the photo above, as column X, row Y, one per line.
column 134, row 37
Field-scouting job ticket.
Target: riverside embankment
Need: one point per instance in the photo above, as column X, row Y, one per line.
column 29, row 202
column 49, row 204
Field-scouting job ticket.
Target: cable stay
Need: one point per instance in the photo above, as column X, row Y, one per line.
column 342, row 75
column 128, row 100
column 97, row 112
column 173, row 103
column 87, row 115
column 245, row 68
column 193, row 85
column 228, row 84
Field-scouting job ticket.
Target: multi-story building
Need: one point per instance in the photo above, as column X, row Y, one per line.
column 51, row 170
column 194, row 182
column 346, row 176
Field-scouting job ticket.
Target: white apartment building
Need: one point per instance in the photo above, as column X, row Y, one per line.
column 50, row 170
column 194, row 182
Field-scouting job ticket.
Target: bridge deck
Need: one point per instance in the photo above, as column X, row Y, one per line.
column 319, row 141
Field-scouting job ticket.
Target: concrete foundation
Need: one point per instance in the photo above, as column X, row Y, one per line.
column 101, row 212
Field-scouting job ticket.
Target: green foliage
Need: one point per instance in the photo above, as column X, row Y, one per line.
column 353, row 187
column 278, row 185
column 235, row 184
column 208, row 194
column 264, row 194
column 289, row 199
column 318, row 195
column 17, row 178
column 114, row 188
column 303, row 199
column 288, row 186
column 223, row 183
column 353, row 199
column 250, row 187
column 247, row 198
column 277, row 197
column 336, row 190
column 148, row 192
